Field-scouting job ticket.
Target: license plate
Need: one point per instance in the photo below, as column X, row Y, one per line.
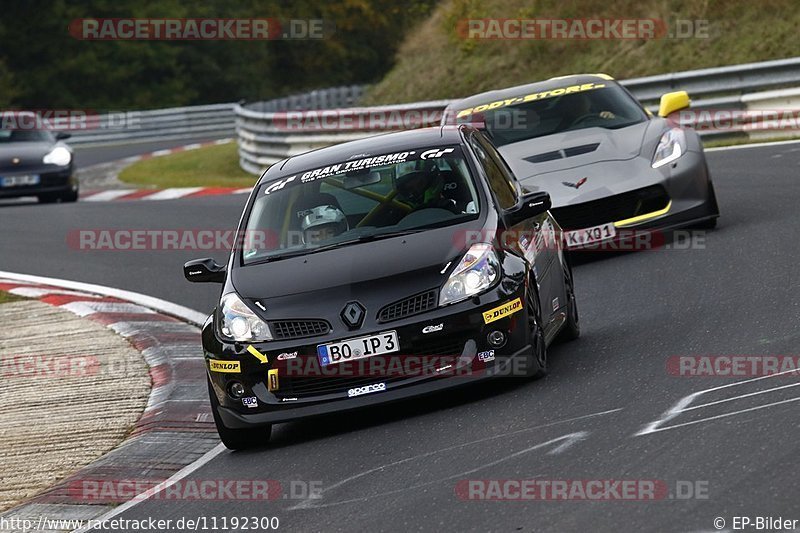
column 358, row 348
column 14, row 181
column 580, row 237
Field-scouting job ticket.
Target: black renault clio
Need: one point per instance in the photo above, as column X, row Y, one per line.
column 377, row 270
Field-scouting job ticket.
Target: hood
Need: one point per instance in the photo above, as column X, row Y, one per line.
column 597, row 160
column 29, row 153
column 374, row 273
column 571, row 149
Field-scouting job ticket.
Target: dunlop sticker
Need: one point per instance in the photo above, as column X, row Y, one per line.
column 225, row 367
column 502, row 311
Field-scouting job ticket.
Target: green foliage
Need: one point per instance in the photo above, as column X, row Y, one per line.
column 52, row 69
column 435, row 61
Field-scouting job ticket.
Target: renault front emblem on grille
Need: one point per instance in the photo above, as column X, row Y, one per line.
column 353, row 315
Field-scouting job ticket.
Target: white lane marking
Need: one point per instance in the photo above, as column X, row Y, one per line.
column 739, row 397
column 159, row 153
column 682, row 404
column 106, row 196
column 311, row 502
column 723, row 415
column 751, row 145
column 569, row 439
column 194, row 146
column 223, row 141
column 181, row 474
column 90, row 308
column 168, row 308
column 246, row 190
column 173, row 193
column 163, row 306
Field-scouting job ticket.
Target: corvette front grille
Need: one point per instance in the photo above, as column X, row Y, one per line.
column 413, row 305
column 610, row 209
column 298, row 329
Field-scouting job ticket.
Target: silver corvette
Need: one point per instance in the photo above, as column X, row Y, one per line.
column 614, row 171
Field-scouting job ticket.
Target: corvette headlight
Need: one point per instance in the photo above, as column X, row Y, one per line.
column 239, row 323
column 57, row 156
column 477, row 271
column 671, row 146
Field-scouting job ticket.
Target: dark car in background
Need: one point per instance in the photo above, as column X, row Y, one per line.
column 378, row 270
column 36, row 162
column 613, row 170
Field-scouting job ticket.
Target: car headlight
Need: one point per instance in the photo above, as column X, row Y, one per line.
column 239, row 323
column 58, row 156
column 671, row 146
column 477, row 271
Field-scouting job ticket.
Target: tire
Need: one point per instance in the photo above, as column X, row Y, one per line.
column 710, row 223
column 237, row 439
column 47, row 198
column 69, row 197
column 571, row 329
column 536, row 360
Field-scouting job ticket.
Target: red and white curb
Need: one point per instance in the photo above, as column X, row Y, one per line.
column 109, row 195
column 159, row 194
column 176, row 428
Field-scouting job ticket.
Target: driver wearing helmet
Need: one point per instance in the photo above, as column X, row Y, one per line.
column 322, row 223
column 423, row 189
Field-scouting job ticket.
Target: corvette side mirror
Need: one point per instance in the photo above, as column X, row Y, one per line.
column 204, row 271
column 671, row 102
column 529, row 205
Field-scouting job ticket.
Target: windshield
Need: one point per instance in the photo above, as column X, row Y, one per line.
column 358, row 200
column 599, row 105
column 24, row 136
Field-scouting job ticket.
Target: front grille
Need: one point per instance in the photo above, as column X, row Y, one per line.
column 612, row 208
column 413, row 305
column 297, row 329
column 364, row 371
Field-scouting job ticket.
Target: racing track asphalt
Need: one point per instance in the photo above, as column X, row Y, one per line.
column 738, row 295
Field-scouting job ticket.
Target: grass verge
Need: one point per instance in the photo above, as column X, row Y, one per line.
column 211, row 166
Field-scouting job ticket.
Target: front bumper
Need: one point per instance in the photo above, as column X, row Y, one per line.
column 55, row 182
column 670, row 197
column 297, row 387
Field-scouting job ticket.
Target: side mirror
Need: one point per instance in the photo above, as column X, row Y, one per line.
column 530, row 205
column 61, row 135
column 672, row 102
column 204, row 271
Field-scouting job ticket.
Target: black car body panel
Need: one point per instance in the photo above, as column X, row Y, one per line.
column 394, row 284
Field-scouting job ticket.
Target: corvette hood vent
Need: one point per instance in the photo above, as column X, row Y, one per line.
column 563, row 153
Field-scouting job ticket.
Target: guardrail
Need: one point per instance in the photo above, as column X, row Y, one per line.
column 208, row 121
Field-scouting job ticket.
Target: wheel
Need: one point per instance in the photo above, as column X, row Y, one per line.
column 710, row 223
column 237, row 439
column 47, row 198
column 571, row 329
column 536, row 360
column 69, row 197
